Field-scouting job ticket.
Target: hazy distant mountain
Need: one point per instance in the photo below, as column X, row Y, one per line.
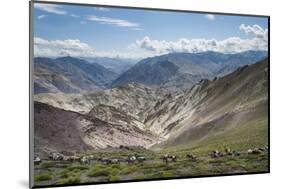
column 117, row 65
column 151, row 74
column 68, row 74
column 185, row 69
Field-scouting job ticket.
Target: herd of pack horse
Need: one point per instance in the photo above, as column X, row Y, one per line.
column 137, row 158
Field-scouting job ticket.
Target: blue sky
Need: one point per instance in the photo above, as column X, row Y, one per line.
column 137, row 33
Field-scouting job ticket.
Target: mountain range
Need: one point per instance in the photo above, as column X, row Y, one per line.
column 170, row 72
column 69, row 75
column 183, row 70
column 228, row 108
column 117, row 65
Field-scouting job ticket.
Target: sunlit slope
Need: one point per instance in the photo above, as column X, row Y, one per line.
column 232, row 111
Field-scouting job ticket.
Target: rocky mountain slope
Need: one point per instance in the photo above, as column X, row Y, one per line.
column 108, row 118
column 66, row 131
column 133, row 98
column 220, row 110
column 236, row 104
column 68, row 75
column 183, row 70
column 57, row 130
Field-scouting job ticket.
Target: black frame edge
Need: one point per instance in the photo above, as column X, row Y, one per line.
column 31, row 130
column 147, row 8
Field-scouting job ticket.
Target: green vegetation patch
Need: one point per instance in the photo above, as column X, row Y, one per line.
column 100, row 170
column 168, row 174
column 114, row 178
column 70, row 180
column 77, row 168
column 43, row 177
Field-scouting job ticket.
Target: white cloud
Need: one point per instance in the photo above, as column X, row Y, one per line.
column 114, row 21
column 255, row 30
column 54, row 48
column 210, row 17
column 41, row 17
column 51, row 8
column 229, row 45
column 148, row 47
column 76, row 48
column 55, row 9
